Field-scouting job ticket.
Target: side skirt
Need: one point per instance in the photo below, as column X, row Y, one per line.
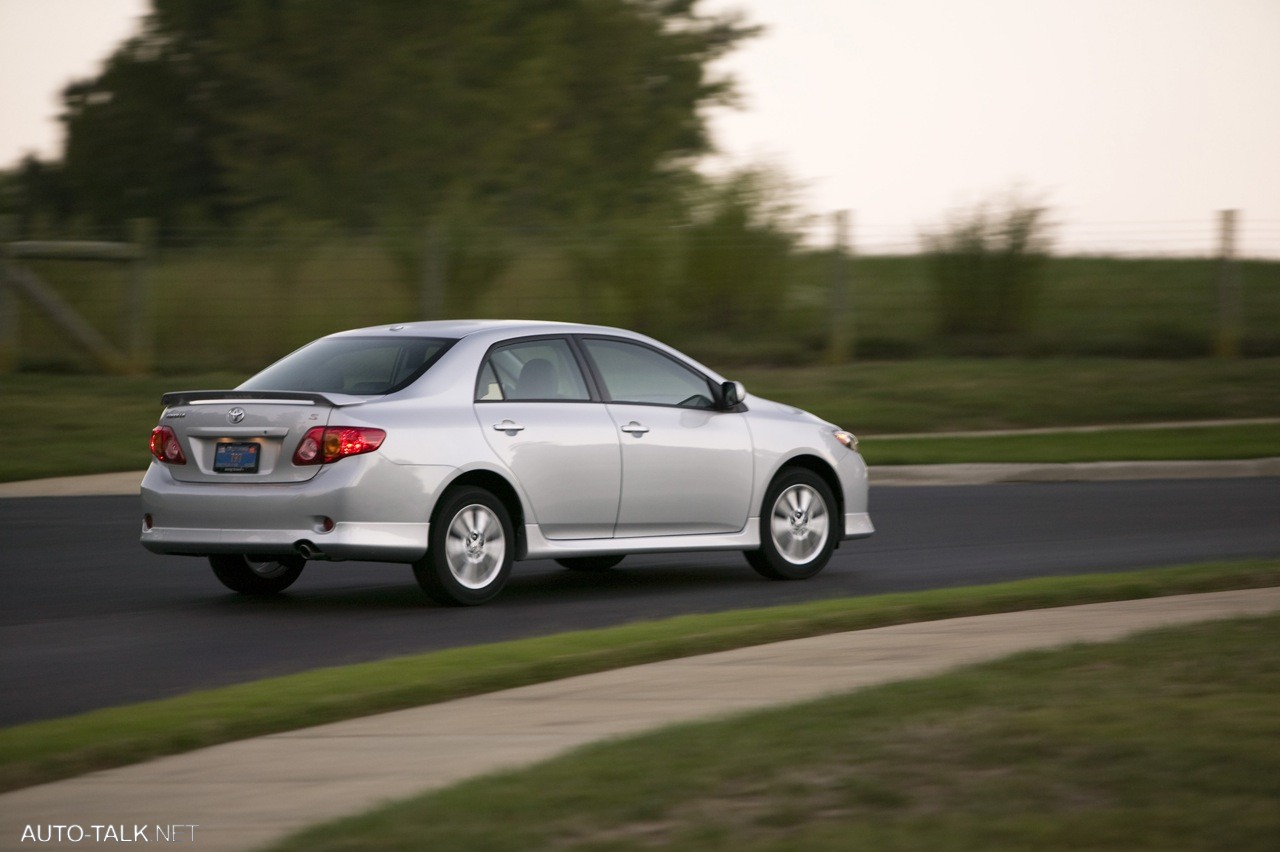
column 540, row 547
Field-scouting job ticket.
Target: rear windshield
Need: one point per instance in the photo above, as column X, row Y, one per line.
column 363, row 366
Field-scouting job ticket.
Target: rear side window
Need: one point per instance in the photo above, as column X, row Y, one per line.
column 362, row 366
column 637, row 374
column 532, row 370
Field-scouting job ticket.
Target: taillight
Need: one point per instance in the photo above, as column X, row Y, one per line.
column 165, row 446
column 325, row 444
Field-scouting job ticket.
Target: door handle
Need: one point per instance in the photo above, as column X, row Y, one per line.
column 635, row 428
column 508, row 426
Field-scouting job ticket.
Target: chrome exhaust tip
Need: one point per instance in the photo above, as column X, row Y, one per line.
column 307, row 550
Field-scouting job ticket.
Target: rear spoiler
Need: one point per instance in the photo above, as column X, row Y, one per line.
column 287, row 397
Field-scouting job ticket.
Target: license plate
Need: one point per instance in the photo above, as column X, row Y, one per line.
column 236, row 458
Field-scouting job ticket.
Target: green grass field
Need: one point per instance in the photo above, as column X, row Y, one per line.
column 944, row 395
column 77, row 424
column 1168, row 740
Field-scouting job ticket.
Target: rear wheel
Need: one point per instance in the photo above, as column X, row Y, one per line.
column 589, row 563
column 797, row 529
column 470, row 551
column 256, row 575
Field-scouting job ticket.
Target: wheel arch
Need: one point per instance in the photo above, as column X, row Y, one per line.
column 822, row 469
column 497, row 485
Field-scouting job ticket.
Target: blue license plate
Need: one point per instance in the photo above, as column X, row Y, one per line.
column 236, row 458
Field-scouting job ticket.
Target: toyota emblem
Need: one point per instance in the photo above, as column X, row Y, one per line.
column 235, row 415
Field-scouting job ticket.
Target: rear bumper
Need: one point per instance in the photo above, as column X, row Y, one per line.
column 366, row 542
column 380, row 512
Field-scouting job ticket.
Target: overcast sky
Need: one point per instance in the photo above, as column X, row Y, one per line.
column 1134, row 120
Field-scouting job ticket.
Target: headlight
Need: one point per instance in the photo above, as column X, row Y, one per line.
column 849, row 439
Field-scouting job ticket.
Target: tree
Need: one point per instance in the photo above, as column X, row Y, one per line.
column 34, row 193
column 529, row 110
column 140, row 138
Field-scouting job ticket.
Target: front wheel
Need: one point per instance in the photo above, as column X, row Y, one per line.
column 470, row 549
column 797, row 531
column 256, row 575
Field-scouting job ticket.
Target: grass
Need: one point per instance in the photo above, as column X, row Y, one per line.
column 890, row 397
column 1206, row 443
column 74, row 425
column 59, row 748
column 1168, row 740
column 77, row 424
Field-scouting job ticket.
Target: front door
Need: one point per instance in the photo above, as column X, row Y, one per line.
column 687, row 468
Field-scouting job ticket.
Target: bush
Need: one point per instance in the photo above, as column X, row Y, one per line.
column 985, row 266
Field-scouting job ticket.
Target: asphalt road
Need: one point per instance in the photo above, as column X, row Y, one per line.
column 88, row 619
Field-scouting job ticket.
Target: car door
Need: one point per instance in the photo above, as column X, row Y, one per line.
column 536, row 412
column 687, row 468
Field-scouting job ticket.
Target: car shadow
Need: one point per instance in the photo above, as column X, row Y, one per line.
column 537, row 583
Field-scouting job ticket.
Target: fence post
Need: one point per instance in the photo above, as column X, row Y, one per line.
column 1228, row 286
column 9, row 329
column 140, row 319
column 840, row 336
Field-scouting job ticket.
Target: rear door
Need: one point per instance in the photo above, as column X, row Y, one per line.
column 536, row 412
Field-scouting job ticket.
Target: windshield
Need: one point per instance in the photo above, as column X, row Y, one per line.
column 362, row 366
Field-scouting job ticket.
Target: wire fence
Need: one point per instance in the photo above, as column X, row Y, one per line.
column 217, row 300
column 1182, row 238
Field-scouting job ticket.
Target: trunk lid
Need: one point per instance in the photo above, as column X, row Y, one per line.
column 245, row 436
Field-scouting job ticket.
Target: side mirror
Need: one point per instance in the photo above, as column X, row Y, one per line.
column 732, row 393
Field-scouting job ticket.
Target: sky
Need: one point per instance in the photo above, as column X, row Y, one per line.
column 1133, row 121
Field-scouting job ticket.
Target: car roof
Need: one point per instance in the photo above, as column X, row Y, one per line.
column 489, row 329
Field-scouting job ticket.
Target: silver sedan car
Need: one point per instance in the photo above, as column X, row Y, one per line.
column 462, row 447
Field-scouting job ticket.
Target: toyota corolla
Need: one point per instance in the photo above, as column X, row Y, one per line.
column 462, row 447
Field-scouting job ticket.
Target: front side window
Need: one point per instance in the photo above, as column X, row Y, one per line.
column 363, row 366
column 634, row 373
column 532, row 370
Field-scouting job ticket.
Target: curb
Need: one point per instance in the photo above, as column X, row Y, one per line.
column 95, row 485
column 1079, row 430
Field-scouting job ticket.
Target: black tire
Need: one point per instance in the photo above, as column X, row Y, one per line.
column 799, row 527
column 256, row 575
column 471, row 548
column 590, row 563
